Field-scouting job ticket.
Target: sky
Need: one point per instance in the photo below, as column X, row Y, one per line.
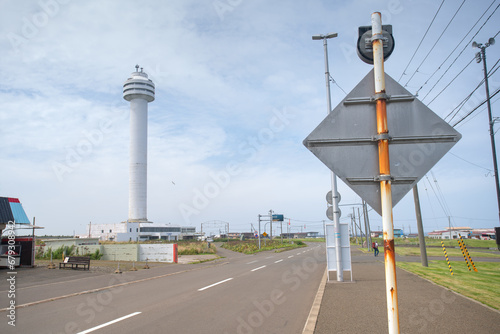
column 239, row 85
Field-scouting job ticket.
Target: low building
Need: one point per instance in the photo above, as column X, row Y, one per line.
column 131, row 231
column 451, row 233
column 483, row 234
column 233, row 235
column 295, row 235
column 398, row 233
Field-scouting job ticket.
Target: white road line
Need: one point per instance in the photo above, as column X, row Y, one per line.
column 290, row 256
column 109, row 323
column 252, row 262
column 258, row 268
column 211, row 285
column 298, row 253
column 269, row 257
column 278, row 261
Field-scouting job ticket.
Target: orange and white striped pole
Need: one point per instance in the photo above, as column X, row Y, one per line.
column 385, row 174
column 468, row 256
column 446, row 256
column 463, row 253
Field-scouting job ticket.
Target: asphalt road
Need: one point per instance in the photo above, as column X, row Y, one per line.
column 264, row 293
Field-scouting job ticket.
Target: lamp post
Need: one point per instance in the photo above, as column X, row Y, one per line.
column 482, row 56
column 335, row 195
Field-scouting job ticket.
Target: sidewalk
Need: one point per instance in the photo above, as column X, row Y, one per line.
column 424, row 307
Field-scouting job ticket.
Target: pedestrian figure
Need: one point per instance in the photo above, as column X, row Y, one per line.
column 375, row 248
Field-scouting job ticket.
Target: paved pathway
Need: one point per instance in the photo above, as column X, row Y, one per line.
column 424, row 307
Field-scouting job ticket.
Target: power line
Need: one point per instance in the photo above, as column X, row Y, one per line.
column 435, row 97
column 335, row 82
column 305, row 221
column 465, row 47
column 428, row 28
column 470, row 112
column 480, row 111
column 439, row 38
column 462, row 103
column 489, row 170
column 442, row 197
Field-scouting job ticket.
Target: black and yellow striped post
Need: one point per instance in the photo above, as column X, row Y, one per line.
column 463, row 252
column 468, row 256
column 446, row 256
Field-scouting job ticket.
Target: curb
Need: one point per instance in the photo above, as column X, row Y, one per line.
column 313, row 314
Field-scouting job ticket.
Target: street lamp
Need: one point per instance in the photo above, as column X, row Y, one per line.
column 320, row 37
column 335, row 195
column 481, row 55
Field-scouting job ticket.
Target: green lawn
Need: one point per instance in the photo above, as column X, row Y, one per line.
column 474, row 253
column 483, row 285
column 252, row 246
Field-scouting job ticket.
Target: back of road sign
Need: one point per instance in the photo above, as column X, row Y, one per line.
column 346, row 140
column 331, row 250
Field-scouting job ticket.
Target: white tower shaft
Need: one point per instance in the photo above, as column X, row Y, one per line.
column 138, row 167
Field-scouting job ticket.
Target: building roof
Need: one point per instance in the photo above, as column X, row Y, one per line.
column 11, row 209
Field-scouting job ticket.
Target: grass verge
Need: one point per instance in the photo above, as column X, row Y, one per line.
column 195, row 248
column 483, row 286
column 252, row 246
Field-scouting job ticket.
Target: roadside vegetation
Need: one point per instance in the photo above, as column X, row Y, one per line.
column 67, row 251
column 252, row 246
column 183, row 248
column 195, row 248
column 433, row 242
column 483, row 285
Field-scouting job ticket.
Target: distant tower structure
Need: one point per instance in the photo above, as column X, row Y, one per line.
column 139, row 91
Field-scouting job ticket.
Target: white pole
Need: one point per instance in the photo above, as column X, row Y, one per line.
column 385, row 175
column 335, row 202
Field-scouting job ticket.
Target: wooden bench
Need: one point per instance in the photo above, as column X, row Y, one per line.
column 76, row 261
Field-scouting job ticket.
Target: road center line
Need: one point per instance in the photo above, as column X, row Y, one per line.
column 212, row 285
column 258, row 268
column 252, row 262
column 290, row 256
column 109, row 323
column 278, row 261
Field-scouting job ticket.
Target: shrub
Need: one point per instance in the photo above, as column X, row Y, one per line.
column 96, row 255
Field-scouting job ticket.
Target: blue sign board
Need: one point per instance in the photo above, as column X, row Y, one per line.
column 277, row 218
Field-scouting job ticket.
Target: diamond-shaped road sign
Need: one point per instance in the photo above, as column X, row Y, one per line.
column 346, row 140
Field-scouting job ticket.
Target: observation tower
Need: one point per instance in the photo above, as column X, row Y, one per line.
column 139, row 91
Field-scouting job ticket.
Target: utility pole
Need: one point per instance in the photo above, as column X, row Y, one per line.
column 281, row 227
column 33, row 245
column 361, row 230
column 335, row 194
column 355, row 225
column 367, row 223
column 482, row 56
column 420, row 226
column 259, row 231
column 449, row 225
column 271, row 221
